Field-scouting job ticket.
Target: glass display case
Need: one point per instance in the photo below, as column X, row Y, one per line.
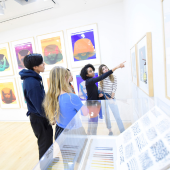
column 110, row 134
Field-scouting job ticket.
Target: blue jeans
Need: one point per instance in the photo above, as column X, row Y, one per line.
column 115, row 111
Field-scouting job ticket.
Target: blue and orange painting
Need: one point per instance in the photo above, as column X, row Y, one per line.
column 83, row 45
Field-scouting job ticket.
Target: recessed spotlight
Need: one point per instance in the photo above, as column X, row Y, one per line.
column 1, row 10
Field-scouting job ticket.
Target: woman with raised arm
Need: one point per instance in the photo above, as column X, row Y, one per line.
column 87, row 74
column 108, row 87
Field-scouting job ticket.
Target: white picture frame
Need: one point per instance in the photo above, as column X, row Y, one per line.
column 46, row 81
column 21, row 92
column 52, row 48
column 6, row 67
column 166, row 39
column 21, row 48
column 134, row 66
column 9, row 98
column 83, row 43
column 144, row 64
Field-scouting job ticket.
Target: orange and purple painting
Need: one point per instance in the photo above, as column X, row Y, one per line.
column 83, row 45
column 52, row 50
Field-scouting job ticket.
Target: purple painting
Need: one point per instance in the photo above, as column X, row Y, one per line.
column 83, row 45
column 82, row 88
column 21, row 51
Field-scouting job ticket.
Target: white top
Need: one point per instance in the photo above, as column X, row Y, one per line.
column 108, row 86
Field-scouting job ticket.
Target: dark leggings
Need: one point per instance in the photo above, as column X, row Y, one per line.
column 58, row 131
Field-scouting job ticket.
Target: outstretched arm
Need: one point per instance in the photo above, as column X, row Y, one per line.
column 97, row 79
column 121, row 65
column 103, row 76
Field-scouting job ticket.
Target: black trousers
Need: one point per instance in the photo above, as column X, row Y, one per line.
column 43, row 131
column 58, row 131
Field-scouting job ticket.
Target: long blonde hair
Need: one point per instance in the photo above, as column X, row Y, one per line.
column 101, row 72
column 58, row 81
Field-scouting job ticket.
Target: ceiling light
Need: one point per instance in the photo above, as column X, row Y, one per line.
column 3, row 4
column 25, row 2
column 1, row 10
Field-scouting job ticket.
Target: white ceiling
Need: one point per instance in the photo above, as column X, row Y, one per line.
column 17, row 15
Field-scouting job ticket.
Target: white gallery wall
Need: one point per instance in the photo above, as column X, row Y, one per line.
column 120, row 26
column 111, row 30
column 143, row 16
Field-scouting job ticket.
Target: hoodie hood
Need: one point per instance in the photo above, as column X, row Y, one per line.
column 29, row 73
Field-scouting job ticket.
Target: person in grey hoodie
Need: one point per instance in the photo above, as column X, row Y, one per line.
column 34, row 95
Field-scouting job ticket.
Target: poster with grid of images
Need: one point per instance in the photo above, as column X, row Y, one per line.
column 146, row 144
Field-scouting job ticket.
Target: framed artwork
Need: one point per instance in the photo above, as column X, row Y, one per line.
column 20, row 87
column 20, row 49
column 144, row 64
column 79, row 85
column 134, row 66
column 8, row 94
column 83, row 45
column 166, row 29
column 46, row 81
column 52, row 48
column 6, row 68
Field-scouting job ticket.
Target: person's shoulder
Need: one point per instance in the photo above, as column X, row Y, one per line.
column 68, row 95
column 87, row 81
column 74, row 96
column 31, row 82
column 31, row 79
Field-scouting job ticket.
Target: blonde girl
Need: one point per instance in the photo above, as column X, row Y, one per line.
column 60, row 104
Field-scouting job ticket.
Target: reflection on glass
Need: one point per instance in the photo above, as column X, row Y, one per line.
column 85, row 143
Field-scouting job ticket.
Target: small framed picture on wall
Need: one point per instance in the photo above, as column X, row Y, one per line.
column 52, row 48
column 6, row 68
column 134, row 66
column 144, row 64
column 20, row 49
column 21, row 92
column 8, row 94
column 83, row 45
column 166, row 31
column 79, row 84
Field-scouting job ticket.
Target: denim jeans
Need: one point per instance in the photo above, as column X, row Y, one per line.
column 115, row 111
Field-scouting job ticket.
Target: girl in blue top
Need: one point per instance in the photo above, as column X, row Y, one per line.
column 60, row 104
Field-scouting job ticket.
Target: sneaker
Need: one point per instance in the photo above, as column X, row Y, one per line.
column 110, row 133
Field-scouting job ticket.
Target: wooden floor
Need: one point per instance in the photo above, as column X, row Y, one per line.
column 18, row 145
